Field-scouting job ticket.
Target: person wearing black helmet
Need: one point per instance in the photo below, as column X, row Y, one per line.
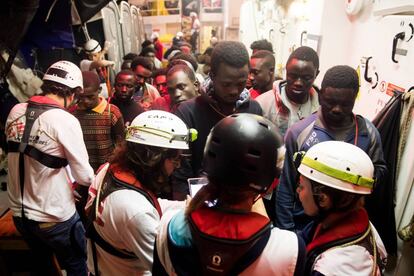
column 220, row 233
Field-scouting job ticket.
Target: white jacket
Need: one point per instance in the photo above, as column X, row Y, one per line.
column 48, row 195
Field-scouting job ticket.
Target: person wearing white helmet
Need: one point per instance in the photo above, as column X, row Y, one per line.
column 334, row 178
column 43, row 139
column 157, row 45
column 123, row 202
column 96, row 62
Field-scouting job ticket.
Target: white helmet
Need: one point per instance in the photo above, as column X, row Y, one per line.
column 66, row 73
column 92, row 46
column 179, row 34
column 160, row 129
column 339, row 165
column 155, row 35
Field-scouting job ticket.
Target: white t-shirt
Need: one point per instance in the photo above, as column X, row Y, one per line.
column 48, row 195
column 130, row 223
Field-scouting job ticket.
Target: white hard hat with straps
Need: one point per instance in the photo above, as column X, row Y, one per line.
column 160, row 129
column 339, row 165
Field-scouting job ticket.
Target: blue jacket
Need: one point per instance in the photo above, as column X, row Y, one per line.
column 300, row 137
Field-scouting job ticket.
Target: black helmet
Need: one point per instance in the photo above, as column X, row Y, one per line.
column 240, row 150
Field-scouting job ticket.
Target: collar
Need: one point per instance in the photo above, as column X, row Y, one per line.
column 44, row 100
column 279, row 88
column 338, row 226
column 362, row 126
column 226, row 225
column 207, row 92
column 100, row 108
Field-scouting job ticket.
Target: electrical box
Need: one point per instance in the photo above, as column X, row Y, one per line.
column 389, row 7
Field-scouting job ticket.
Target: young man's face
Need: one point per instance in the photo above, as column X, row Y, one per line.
column 160, row 82
column 260, row 75
column 300, row 75
column 229, row 82
column 180, row 87
column 95, row 56
column 125, row 86
column 336, row 105
column 305, row 193
column 89, row 99
column 143, row 75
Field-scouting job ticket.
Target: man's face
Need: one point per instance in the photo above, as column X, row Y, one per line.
column 229, row 82
column 125, row 86
column 336, row 105
column 150, row 55
column 95, row 56
column 143, row 75
column 260, row 75
column 180, row 87
column 160, row 82
column 300, row 75
column 89, row 99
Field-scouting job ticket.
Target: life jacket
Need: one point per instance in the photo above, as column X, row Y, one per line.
column 116, row 180
column 227, row 243
column 354, row 229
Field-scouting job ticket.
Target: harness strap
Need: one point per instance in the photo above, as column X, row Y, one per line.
column 45, row 159
column 33, row 112
column 110, row 185
column 96, row 238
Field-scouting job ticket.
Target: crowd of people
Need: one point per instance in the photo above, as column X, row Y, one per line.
column 99, row 169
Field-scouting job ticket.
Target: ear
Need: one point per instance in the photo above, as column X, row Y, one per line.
column 325, row 201
column 197, row 85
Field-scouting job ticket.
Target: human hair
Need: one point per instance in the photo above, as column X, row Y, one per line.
column 147, row 50
column 55, row 88
column 181, row 67
column 170, row 50
column 184, row 43
column 146, row 43
column 145, row 62
column 130, row 56
column 269, row 58
column 305, row 53
column 208, row 51
column 186, row 57
column 175, row 62
column 341, row 76
column 341, row 200
column 262, row 44
column 146, row 162
column 90, row 79
column 231, row 53
column 159, row 72
column 215, row 190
